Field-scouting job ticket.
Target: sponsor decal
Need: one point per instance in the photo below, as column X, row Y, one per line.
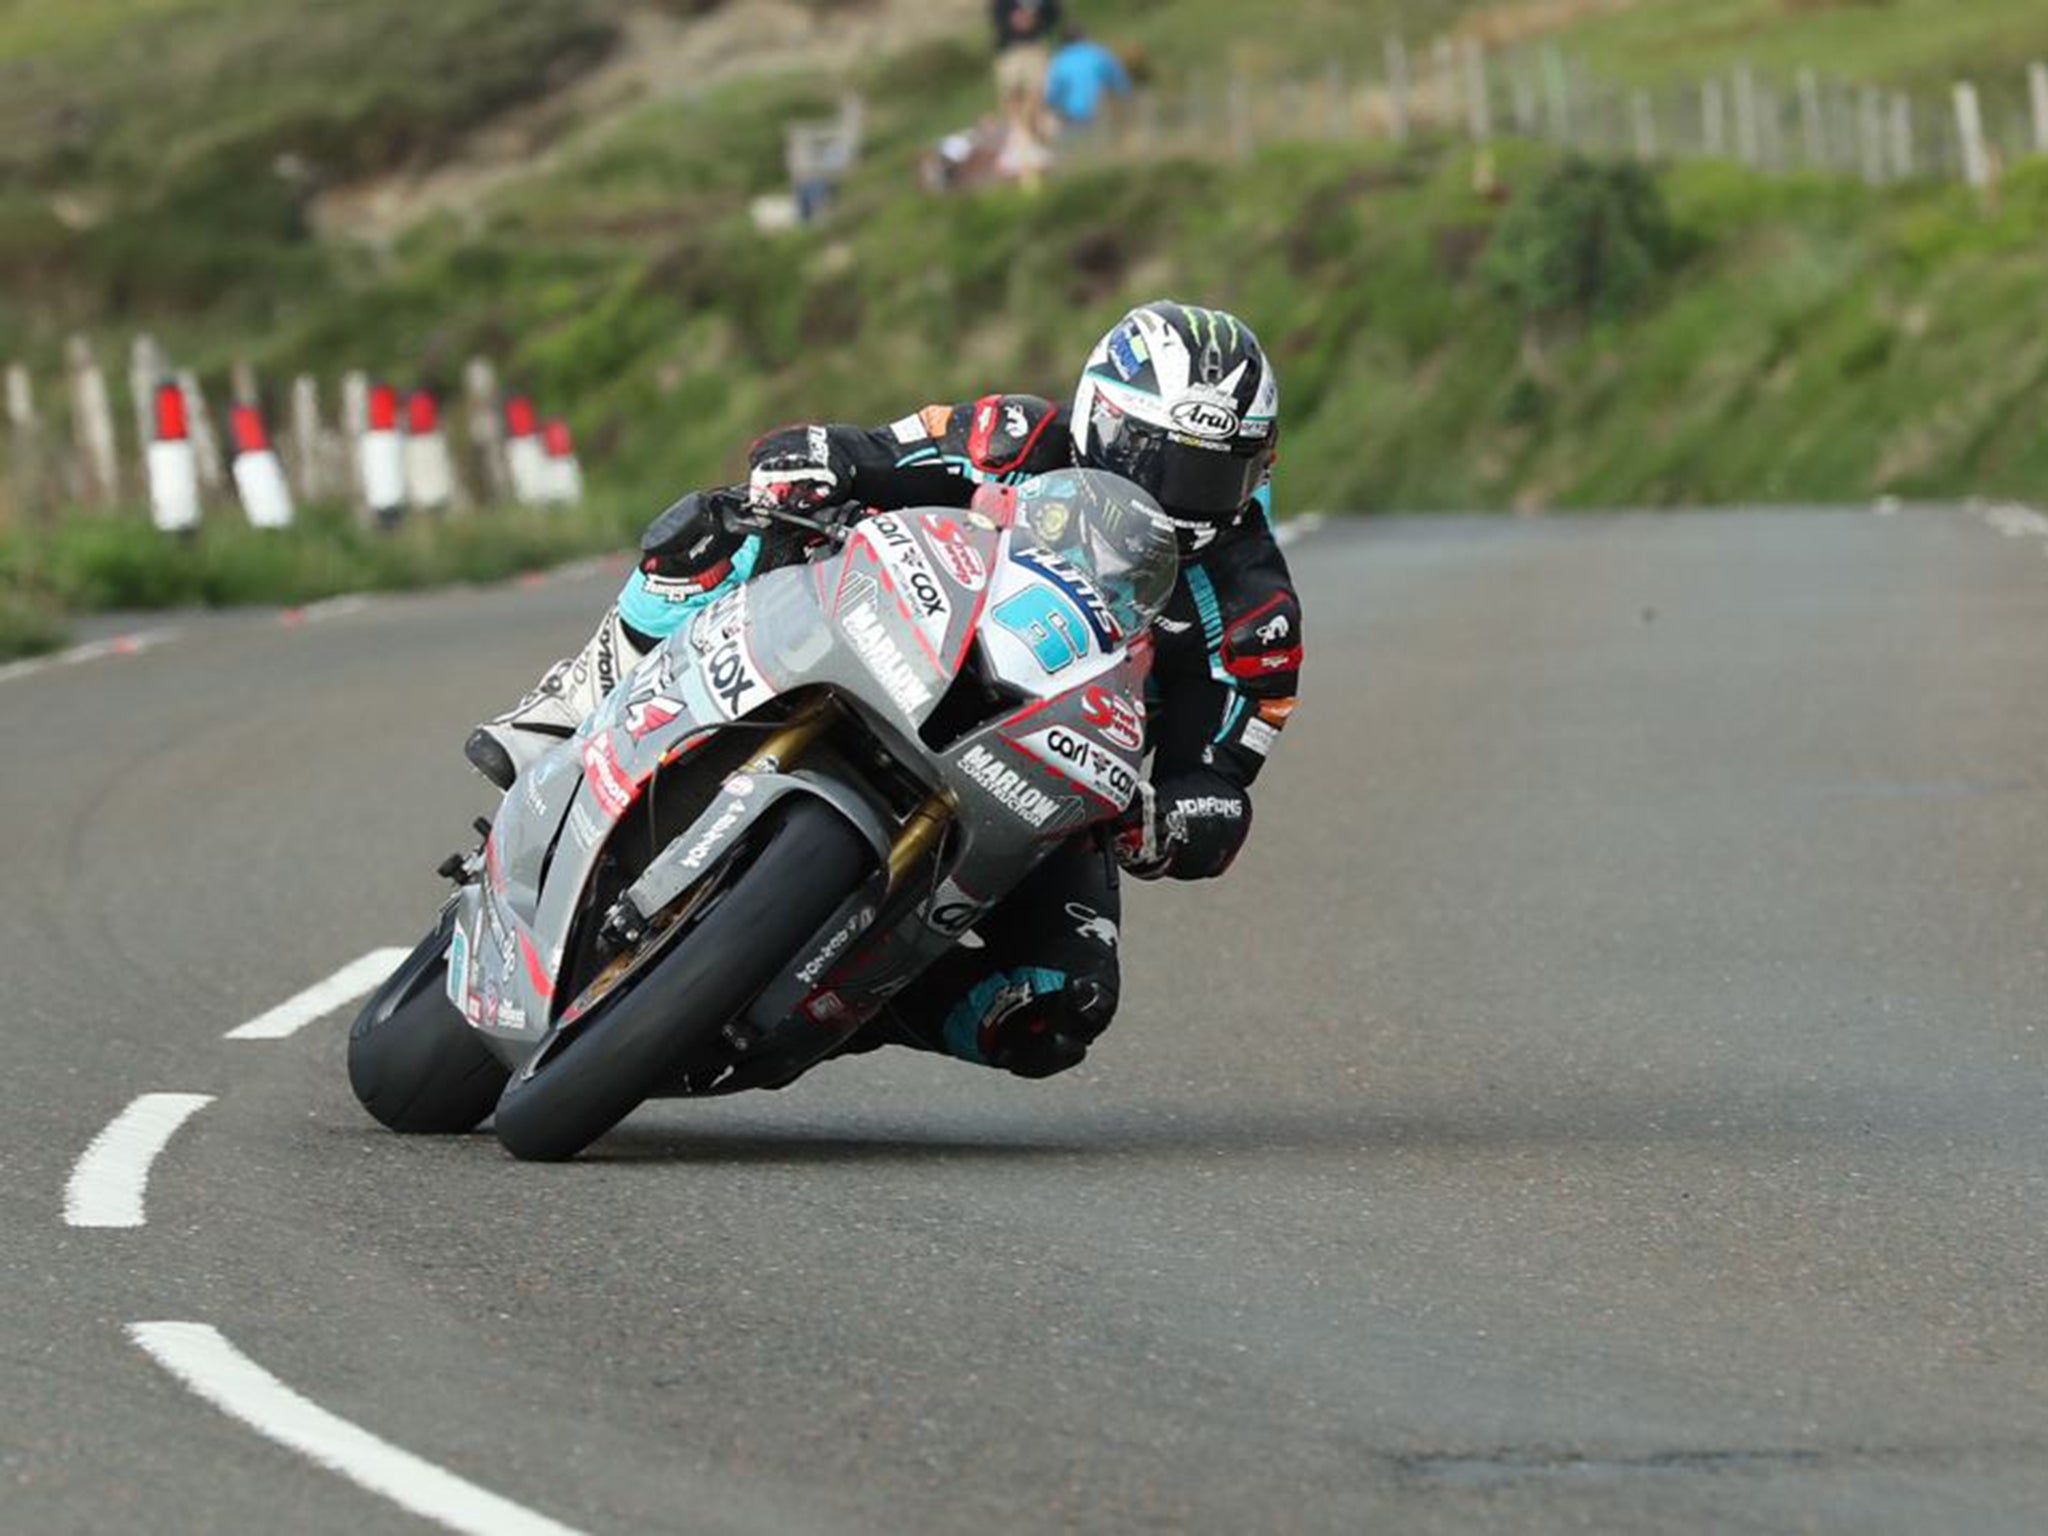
column 714, row 836
column 1200, row 808
column 956, row 552
column 854, row 927
column 645, row 716
column 1127, row 352
column 1062, row 574
column 739, row 786
column 728, row 669
column 825, row 1008
column 1015, row 422
column 880, row 654
column 1259, row 737
column 1091, row 924
column 1117, row 719
column 458, row 965
column 1275, row 630
column 1211, row 418
column 1086, row 763
column 1008, row 787
column 952, row 919
column 1256, row 428
column 615, row 792
column 904, row 556
column 583, row 826
column 820, row 444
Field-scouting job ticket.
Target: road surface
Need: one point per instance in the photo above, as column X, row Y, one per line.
column 1610, row 1094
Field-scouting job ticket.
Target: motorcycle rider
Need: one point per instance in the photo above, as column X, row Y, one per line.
column 1180, row 400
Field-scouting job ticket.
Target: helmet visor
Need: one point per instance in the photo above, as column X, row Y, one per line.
column 1204, row 482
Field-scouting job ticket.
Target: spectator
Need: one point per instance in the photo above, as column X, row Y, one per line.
column 1024, row 33
column 1081, row 74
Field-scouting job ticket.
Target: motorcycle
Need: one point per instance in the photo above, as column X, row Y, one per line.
column 781, row 817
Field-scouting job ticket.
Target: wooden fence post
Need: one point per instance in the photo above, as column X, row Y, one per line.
column 1713, row 118
column 1478, row 93
column 1340, row 102
column 355, row 425
column 1557, row 86
column 487, row 429
column 25, row 437
column 206, row 454
column 1812, row 123
column 1748, row 133
column 1522, row 87
column 146, row 370
column 1904, row 160
column 1397, row 88
column 2037, row 95
column 92, row 426
column 1970, row 124
column 1872, row 136
column 1643, row 112
column 309, row 457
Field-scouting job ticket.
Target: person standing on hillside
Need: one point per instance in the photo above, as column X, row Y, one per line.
column 1024, row 33
column 1082, row 73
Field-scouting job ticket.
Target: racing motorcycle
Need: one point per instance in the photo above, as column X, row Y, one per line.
column 785, row 813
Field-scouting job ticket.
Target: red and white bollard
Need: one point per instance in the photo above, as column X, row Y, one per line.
column 173, row 470
column 525, row 458
column 259, row 477
column 429, row 470
column 383, row 458
column 564, row 483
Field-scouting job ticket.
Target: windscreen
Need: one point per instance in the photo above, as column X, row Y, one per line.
column 1110, row 531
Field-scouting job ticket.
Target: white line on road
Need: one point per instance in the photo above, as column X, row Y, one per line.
column 120, row 645
column 107, row 1183
column 205, row 1361
column 323, row 997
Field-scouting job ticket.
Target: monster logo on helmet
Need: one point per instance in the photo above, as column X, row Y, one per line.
column 1183, row 402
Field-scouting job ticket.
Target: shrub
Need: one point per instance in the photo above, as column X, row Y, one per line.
column 1587, row 241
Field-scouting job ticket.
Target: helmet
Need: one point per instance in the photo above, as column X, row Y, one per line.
column 1183, row 402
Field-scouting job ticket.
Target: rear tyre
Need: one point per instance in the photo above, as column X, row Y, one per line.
column 413, row 1062
column 641, row 1038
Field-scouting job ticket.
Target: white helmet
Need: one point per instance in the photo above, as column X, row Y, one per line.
column 1184, row 403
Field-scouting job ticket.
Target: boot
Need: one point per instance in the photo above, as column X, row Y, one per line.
column 505, row 746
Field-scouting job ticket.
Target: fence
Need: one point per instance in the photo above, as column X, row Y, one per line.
column 386, row 452
column 1774, row 123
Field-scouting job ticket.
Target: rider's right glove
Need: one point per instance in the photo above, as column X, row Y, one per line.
column 1189, row 826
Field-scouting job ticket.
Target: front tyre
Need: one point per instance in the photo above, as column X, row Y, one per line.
column 413, row 1062
column 638, row 1040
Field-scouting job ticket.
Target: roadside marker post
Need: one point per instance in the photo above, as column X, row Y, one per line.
column 430, row 483
column 173, row 468
column 383, row 459
column 525, row 458
column 259, row 476
column 563, row 484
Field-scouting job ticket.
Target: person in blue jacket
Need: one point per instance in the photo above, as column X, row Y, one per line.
column 1082, row 73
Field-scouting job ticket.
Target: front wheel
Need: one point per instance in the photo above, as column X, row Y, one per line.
column 413, row 1062
column 811, row 864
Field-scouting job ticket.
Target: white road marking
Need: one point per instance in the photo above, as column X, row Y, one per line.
column 108, row 1180
column 205, row 1361
column 322, row 998
column 120, row 645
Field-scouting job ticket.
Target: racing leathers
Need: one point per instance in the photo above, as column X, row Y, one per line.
column 1227, row 657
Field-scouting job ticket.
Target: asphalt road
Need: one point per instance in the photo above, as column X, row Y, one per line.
column 1609, row 1095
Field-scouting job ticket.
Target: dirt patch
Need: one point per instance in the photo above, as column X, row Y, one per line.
column 660, row 57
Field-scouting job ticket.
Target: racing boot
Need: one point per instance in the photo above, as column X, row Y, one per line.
column 504, row 746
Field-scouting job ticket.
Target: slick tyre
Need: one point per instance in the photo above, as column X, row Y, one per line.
column 412, row 1061
column 812, row 863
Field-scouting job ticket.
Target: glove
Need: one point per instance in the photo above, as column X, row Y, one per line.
column 1190, row 827
column 798, row 470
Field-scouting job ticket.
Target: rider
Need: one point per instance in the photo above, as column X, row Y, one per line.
column 1183, row 402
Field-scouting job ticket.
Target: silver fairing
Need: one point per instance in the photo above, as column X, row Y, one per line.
column 886, row 625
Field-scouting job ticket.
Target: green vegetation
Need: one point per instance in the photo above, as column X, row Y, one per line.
column 1585, row 336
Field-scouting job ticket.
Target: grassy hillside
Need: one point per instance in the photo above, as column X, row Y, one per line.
column 1797, row 338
